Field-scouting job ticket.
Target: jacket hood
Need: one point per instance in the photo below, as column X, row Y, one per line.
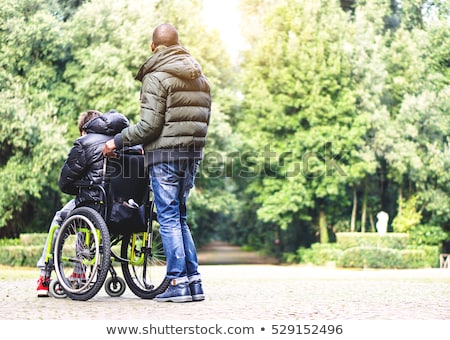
column 109, row 123
column 175, row 60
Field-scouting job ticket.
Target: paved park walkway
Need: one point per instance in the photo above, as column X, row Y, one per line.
column 244, row 287
column 224, row 253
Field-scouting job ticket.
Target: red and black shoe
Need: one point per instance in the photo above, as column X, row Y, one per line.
column 42, row 287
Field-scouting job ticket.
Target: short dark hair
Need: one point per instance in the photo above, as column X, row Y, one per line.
column 165, row 34
column 85, row 117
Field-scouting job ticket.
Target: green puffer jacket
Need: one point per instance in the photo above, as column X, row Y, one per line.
column 175, row 107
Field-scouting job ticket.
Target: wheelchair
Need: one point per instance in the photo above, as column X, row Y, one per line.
column 119, row 228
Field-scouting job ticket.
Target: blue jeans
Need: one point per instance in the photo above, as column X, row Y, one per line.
column 171, row 183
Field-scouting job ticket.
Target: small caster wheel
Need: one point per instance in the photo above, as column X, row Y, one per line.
column 115, row 287
column 56, row 290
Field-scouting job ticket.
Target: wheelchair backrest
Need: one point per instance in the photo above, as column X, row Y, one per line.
column 127, row 178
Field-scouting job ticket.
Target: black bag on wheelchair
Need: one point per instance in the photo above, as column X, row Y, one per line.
column 123, row 214
column 127, row 192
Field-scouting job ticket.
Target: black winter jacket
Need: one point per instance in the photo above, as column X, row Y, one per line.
column 85, row 159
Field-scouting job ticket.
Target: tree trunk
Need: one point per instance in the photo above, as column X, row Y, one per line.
column 364, row 208
column 400, row 200
column 323, row 230
column 355, row 206
column 372, row 222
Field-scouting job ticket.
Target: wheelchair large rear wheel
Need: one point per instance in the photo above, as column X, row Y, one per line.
column 82, row 254
column 145, row 268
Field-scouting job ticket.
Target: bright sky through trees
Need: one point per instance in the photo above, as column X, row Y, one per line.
column 224, row 16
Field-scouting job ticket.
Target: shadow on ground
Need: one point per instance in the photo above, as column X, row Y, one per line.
column 224, row 253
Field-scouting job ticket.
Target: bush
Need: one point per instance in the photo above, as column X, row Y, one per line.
column 370, row 250
column 409, row 217
column 20, row 255
column 427, row 235
column 9, row 242
column 319, row 254
column 370, row 257
column 431, row 255
column 414, row 258
column 31, row 255
column 23, row 251
column 389, row 240
column 290, row 258
column 33, row 239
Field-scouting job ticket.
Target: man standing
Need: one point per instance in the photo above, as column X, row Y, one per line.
column 175, row 112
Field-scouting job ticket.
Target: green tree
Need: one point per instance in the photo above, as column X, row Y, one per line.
column 111, row 41
column 63, row 64
column 368, row 78
column 337, row 109
column 418, row 124
column 300, row 109
column 30, row 153
column 33, row 51
column 107, row 50
column 333, row 88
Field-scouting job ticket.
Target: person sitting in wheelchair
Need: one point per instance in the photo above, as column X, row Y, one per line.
column 84, row 162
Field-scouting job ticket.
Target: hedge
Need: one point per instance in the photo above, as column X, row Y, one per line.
column 20, row 255
column 370, row 250
column 370, row 257
column 33, row 239
column 26, row 250
column 319, row 254
column 23, row 251
column 389, row 240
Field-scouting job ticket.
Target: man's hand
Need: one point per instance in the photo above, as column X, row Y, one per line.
column 108, row 148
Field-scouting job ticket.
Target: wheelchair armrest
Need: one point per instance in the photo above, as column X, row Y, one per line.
column 80, row 184
column 84, row 184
